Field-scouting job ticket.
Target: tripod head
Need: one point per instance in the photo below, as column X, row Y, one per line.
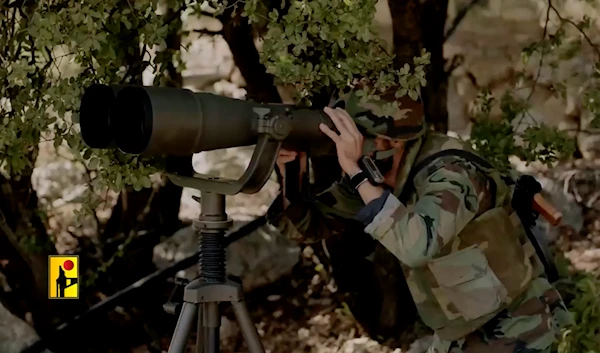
column 271, row 132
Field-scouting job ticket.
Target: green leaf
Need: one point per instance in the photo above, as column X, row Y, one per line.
column 413, row 94
column 94, row 163
column 145, row 181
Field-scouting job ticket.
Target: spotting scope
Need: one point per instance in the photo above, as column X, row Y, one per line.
column 163, row 121
column 179, row 122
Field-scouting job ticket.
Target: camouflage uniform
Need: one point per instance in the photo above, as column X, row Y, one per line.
column 472, row 272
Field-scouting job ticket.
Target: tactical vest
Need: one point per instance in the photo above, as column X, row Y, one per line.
column 485, row 268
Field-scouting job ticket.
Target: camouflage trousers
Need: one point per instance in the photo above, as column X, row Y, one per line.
column 531, row 326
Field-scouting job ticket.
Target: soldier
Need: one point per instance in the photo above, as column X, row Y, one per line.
column 447, row 217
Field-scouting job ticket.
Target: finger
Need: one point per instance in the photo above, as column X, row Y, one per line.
column 336, row 119
column 285, row 159
column 327, row 131
column 284, row 152
column 302, row 156
column 348, row 130
column 349, row 123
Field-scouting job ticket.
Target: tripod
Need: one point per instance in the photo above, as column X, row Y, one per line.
column 202, row 296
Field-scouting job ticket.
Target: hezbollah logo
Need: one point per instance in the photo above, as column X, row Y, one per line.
column 63, row 277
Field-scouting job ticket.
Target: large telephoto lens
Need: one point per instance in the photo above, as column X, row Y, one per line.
column 178, row 122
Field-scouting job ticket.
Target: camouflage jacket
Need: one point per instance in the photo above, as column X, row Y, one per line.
column 464, row 253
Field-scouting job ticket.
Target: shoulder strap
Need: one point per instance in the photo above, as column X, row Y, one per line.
column 409, row 186
column 539, row 246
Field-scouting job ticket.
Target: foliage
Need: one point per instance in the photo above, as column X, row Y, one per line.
column 325, row 46
column 580, row 291
column 317, row 46
column 497, row 141
column 51, row 51
column 494, row 134
column 499, row 135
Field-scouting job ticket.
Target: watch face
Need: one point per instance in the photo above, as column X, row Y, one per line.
column 372, row 170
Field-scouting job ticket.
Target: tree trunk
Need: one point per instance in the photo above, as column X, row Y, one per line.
column 24, row 243
column 420, row 25
column 435, row 94
column 260, row 86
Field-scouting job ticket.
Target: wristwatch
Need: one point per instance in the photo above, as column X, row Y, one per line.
column 358, row 179
column 368, row 173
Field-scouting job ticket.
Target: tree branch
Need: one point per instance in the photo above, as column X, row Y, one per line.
column 459, row 17
column 206, row 31
column 585, row 36
column 260, row 85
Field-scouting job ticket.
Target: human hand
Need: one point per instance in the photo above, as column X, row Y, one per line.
column 348, row 143
column 286, row 156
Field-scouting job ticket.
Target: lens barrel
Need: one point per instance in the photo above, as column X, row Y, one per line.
column 179, row 122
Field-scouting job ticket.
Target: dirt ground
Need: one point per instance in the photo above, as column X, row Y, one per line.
column 300, row 313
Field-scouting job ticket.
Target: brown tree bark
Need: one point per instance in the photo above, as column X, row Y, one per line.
column 433, row 20
column 260, row 85
column 417, row 25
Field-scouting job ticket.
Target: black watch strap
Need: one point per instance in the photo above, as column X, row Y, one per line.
column 358, row 179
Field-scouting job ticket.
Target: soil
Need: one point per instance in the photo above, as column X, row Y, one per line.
column 299, row 313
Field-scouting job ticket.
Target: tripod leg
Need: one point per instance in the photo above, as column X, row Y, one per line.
column 182, row 330
column 247, row 327
column 200, row 331
column 212, row 323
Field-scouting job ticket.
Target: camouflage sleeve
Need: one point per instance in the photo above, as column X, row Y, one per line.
column 309, row 222
column 368, row 213
column 449, row 193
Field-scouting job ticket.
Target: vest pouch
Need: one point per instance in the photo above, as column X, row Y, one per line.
column 467, row 288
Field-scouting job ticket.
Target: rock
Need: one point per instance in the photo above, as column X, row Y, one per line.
column 460, row 92
column 588, row 140
column 420, row 345
column 207, row 56
column 262, row 258
column 229, row 89
column 15, row 334
column 359, row 345
column 258, row 259
column 61, row 179
column 228, row 328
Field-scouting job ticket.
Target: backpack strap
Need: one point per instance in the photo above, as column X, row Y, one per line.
column 469, row 156
column 522, row 195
